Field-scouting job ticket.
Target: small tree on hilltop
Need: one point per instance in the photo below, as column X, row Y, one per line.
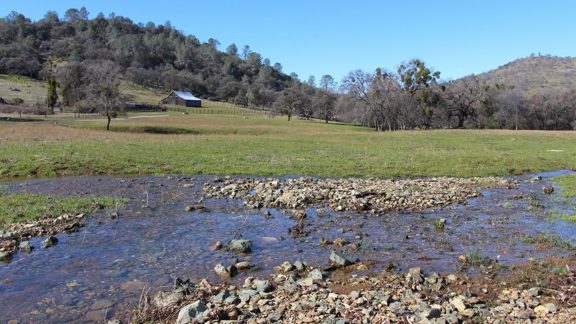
column 103, row 89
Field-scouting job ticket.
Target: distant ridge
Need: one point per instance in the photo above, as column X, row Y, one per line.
column 535, row 74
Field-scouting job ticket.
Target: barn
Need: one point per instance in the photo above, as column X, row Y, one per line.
column 181, row 98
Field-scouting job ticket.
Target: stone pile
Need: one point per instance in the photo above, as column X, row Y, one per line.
column 16, row 236
column 352, row 194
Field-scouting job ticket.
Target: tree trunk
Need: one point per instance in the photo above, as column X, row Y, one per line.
column 109, row 120
column 289, row 116
column 461, row 121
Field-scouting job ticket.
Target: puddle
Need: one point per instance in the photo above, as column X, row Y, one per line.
column 100, row 272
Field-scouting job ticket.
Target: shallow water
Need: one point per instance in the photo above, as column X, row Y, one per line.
column 99, row 272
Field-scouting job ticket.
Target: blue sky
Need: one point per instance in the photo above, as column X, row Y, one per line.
column 456, row 37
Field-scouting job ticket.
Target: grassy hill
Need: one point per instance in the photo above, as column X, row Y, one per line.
column 27, row 89
column 34, row 91
column 536, row 73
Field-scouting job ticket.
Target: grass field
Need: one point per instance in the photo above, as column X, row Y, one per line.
column 258, row 145
column 568, row 185
column 18, row 208
column 29, row 90
column 223, row 139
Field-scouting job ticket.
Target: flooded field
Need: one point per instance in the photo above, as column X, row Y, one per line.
column 100, row 272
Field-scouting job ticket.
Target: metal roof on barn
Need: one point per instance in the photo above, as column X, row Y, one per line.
column 185, row 95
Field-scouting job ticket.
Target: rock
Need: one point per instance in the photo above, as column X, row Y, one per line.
column 432, row 278
column 273, row 317
column 306, row 282
column 217, row 245
column 292, row 287
column 536, row 179
column 191, row 312
column 414, row 276
column 184, row 287
column 244, row 265
column 114, row 321
column 338, row 260
column 101, row 304
column 541, row 311
column 362, row 267
column 231, row 300
column 286, row 266
column 191, row 208
column 225, row 272
column 163, row 299
column 534, row 291
column 548, row 190
column 316, row 274
column 340, row 242
column 221, row 297
column 431, row 313
column 263, row 285
column 451, row 277
column 50, row 241
column 551, row 308
column 25, row 246
column 5, row 257
column 299, row 265
column 300, row 214
column 458, row 302
column 241, row 246
column 268, row 240
column 248, row 282
column 246, row 294
column 220, row 270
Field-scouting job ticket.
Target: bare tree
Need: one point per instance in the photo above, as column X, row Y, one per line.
column 103, row 89
column 383, row 103
column 462, row 100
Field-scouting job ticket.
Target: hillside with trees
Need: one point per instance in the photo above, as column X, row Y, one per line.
column 156, row 56
column 70, row 52
column 530, row 93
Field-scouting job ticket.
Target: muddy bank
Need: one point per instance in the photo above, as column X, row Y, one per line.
column 99, row 272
